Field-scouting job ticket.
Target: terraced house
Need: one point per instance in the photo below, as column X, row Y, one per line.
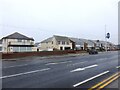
column 57, row 43
column 17, row 42
column 83, row 44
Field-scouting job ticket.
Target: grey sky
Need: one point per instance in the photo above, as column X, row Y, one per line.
column 75, row 18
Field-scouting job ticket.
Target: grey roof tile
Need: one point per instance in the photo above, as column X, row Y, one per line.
column 17, row 35
column 61, row 38
column 77, row 41
column 47, row 40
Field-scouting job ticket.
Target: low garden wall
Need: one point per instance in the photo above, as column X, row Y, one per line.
column 43, row 53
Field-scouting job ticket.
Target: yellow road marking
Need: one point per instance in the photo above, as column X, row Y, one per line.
column 92, row 88
column 101, row 87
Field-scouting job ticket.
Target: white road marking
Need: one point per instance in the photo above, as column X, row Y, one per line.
column 81, row 69
column 66, row 62
column 58, row 63
column 79, row 63
column 25, row 73
column 51, row 63
column 118, row 67
column 76, row 63
column 91, row 78
column 16, row 66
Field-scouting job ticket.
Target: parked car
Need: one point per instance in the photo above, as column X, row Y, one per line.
column 93, row 51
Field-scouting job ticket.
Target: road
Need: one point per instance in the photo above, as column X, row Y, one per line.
column 65, row 72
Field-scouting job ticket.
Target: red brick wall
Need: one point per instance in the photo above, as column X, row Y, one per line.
column 44, row 53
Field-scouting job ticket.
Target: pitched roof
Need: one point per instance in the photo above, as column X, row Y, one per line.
column 47, row 40
column 58, row 38
column 17, row 35
column 102, row 42
column 90, row 42
column 61, row 38
column 77, row 41
column 36, row 44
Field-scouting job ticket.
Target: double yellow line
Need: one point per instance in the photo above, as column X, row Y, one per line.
column 105, row 82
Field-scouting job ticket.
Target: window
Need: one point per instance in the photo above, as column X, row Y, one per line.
column 24, row 41
column 19, row 40
column 0, row 48
column 28, row 40
column 29, row 49
column 52, row 42
column 67, row 43
column 4, row 48
column 9, row 43
column 4, row 40
column 63, row 42
column 15, row 49
column 22, row 49
column 58, row 42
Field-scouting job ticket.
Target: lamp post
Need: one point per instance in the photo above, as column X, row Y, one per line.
column 105, row 40
column 107, row 36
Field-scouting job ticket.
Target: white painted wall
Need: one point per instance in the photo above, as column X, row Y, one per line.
column 6, row 42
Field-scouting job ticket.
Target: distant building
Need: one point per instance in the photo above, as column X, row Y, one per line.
column 57, row 43
column 78, row 43
column 101, row 45
column 17, row 42
column 83, row 44
column 117, row 46
column 89, row 44
column 0, row 45
column 68, row 43
column 38, row 46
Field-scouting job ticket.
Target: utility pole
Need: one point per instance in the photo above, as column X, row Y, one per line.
column 107, row 36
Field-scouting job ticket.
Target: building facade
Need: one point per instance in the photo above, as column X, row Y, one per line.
column 83, row 44
column 17, row 42
column 0, row 45
column 56, row 43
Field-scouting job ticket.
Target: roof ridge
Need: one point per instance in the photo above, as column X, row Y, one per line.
column 17, row 35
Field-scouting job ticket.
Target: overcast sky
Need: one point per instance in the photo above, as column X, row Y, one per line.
column 41, row 19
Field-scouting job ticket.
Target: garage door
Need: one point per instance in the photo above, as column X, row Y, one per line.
column 67, row 48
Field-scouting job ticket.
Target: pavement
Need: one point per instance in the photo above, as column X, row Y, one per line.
column 80, row 71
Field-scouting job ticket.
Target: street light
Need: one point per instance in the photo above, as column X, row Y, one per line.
column 107, row 36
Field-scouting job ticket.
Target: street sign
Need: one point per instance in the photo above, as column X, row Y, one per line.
column 108, row 35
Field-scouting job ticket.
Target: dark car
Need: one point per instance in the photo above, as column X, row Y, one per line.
column 93, row 51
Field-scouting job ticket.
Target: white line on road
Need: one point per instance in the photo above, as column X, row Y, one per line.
column 51, row 64
column 81, row 69
column 79, row 63
column 16, row 66
column 66, row 62
column 118, row 67
column 90, row 79
column 58, row 63
column 25, row 73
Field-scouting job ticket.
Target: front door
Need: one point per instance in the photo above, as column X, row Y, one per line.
column 61, row 48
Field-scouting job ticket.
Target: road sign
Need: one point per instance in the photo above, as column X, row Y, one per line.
column 108, row 35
